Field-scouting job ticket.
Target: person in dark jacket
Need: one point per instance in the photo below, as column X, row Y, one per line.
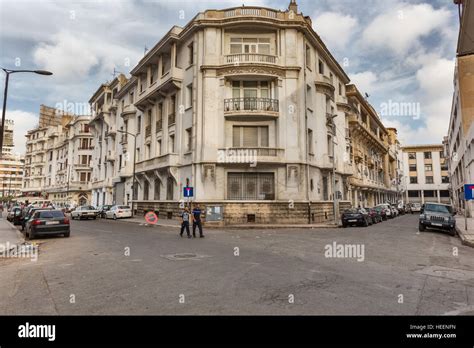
column 185, row 222
column 197, row 221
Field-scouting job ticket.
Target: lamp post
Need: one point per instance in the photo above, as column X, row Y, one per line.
column 134, row 154
column 7, row 77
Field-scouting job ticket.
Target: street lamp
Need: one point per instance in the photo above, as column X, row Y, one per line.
column 134, row 153
column 8, row 72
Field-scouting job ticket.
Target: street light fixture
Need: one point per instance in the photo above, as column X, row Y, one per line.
column 8, row 72
column 134, row 153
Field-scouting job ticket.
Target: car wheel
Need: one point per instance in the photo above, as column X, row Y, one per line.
column 31, row 235
column 366, row 223
column 452, row 232
column 67, row 234
column 421, row 228
column 95, row 217
column 115, row 217
column 344, row 225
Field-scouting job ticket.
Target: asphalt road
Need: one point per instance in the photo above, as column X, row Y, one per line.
column 117, row 267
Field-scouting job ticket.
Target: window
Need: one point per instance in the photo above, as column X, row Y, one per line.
column 191, row 53
column 412, row 155
column 169, row 189
column 340, row 89
column 157, row 191
column 429, row 180
column 137, row 154
column 147, row 151
column 444, row 166
column 429, row 193
column 240, row 45
column 310, row 141
column 412, row 167
column 146, row 190
column 413, row 193
column 172, row 105
column 250, row 136
column 428, row 167
column 413, row 180
column 130, row 98
column 427, row 155
column 139, row 124
column 250, row 186
column 189, row 96
column 83, row 177
column 171, row 144
column 308, row 56
column 321, row 67
column 158, row 147
column 445, row 179
column 444, row 193
column 330, row 145
column 152, row 74
column 189, row 139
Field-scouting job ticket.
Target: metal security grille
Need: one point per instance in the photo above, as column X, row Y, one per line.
column 250, row 186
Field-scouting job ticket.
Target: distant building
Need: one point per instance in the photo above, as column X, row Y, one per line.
column 460, row 142
column 11, row 165
column 426, row 174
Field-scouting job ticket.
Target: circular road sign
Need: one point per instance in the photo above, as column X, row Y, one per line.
column 151, row 218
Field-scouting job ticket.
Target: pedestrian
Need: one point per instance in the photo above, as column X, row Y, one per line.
column 185, row 222
column 197, row 221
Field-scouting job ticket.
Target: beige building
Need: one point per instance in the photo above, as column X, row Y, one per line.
column 460, row 141
column 427, row 174
column 247, row 106
column 58, row 159
column 11, row 165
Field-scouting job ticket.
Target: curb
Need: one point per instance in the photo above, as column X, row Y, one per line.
column 18, row 233
column 463, row 238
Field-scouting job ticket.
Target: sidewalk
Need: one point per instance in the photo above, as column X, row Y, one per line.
column 467, row 237
column 8, row 233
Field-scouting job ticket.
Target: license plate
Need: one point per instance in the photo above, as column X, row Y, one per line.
column 52, row 222
column 436, row 224
column 352, row 220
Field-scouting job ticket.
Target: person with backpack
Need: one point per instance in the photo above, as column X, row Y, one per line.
column 185, row 216
column 197, row 221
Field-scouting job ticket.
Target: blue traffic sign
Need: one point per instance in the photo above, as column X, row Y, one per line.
column 188, row 191
column 468, row 192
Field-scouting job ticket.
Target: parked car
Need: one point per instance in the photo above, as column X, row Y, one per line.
column 85, row 212
column 401, row 208
column 415, row 208
column 47, row 222
column 388, row 210
column 355, row 216
column 28, row 213
column 374, row 215
column 104, row 209
column 395, row 212
column 118, row 212
column 14, row 216
column 382, row 212
column 437, row 216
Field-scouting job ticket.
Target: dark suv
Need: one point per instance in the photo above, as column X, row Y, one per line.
column 438, row 216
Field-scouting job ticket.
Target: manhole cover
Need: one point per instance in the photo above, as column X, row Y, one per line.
column 184, row 256
column 445, row 272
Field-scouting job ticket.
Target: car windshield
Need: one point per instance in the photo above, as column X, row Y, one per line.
column 49, row 214
column 437, row 208
column 351, row 211
column 123, row 207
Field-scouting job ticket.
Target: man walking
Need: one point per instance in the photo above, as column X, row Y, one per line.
column 197, row 221
column 185, row 223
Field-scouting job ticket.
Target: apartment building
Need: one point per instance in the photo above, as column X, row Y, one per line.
column 113, row 128
column 11, row 165
column 247, row 106
column 373, row 153
column 58, row 159
column 427, row 174
column 460, row 141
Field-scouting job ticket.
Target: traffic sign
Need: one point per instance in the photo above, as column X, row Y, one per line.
column 151, row 218
column 468, row 195
column 188, row 191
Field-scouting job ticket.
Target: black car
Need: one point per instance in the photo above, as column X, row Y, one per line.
column 47, row 222
column 27, row 213
column 437, row 216
column 355, row 216
column 14, row 215
column 382, row 212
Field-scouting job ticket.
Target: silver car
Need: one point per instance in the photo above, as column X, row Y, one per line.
column 85, row 212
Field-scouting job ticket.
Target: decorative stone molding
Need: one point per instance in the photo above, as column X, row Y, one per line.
column 209, row 172
column 253, row 70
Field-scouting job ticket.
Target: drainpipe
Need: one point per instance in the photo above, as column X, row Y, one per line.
column 306, row 136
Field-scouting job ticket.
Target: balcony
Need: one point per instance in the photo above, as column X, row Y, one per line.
column 110, row 156
column 170, row 81
column 251, row 155
column 157, row 162
column 82, row 166
column 148, row 131
column 250, row 58
column 111, row 132
column 251, row 107
column 171, row 119
column 159, row 125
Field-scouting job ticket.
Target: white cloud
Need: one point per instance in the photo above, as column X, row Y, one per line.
column 23, row 121
column 336, row 29
column 364, row 81
column 402, row 27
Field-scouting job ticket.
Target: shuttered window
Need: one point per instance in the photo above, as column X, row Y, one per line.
column 250, row 136
column 250, row 186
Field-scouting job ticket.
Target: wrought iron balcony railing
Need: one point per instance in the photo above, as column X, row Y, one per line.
column 251, row 104
column 250, row 58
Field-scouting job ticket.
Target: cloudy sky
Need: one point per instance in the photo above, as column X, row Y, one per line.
column 399, row 52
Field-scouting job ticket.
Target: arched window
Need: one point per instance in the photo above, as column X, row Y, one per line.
column 146, row 189
column 157, row 189
column 169, row 189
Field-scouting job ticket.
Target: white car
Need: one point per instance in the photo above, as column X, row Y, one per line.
column 415, row 208
column 85, row 212
column 118, row 212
